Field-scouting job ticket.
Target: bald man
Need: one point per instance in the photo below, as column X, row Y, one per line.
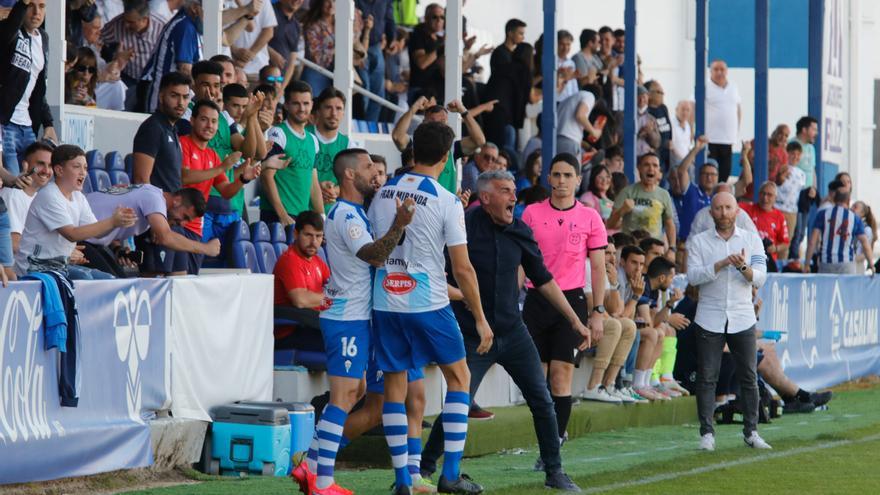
column 770, row 222
column 725, row 263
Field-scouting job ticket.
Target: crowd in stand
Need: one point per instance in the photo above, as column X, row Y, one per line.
column 621, row 268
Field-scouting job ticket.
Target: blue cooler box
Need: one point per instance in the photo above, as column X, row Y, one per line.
column 250, row 438
column 302, row 422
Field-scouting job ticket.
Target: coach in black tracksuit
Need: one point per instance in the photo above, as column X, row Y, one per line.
column 498, row 244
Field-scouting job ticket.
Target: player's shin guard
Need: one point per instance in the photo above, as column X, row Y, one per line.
column 455, row 414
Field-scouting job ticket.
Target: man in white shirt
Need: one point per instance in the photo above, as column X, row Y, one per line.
column 573, row 118
column 565, row 65
column 682, row 135
column 723, row 117
column 725, row 264
column 60, row 216
column 35, row 165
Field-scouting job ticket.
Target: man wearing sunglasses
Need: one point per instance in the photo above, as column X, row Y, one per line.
column 484, row 161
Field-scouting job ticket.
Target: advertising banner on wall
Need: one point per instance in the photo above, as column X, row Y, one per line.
column 835, row 93
column 121, row 377
column 831, row 323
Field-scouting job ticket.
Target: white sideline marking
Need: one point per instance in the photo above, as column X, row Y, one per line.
column 728, row 464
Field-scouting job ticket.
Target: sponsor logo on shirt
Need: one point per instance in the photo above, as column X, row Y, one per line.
column 398, row 284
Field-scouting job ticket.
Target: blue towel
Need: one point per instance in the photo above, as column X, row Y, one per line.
column 54, row 317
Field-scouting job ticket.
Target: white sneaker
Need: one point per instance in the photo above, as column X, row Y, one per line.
column 707, row 442
column 599, row 394
column 623, row 396
column 636, row 397
column 756, row 442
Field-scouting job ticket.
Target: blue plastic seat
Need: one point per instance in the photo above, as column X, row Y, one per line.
column 119, row 178
column 100, row 179
column 241, row 253
column 290, row 231
column 372, row 127
column 87, row 186
column 94, row 159
column 262, row 239
column 114, row 161
column 278, row 238
column 129, row 164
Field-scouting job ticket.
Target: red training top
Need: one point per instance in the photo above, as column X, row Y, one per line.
column 195, row 158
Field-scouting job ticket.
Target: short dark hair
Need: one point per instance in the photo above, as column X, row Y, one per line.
column 266, row 89
column 199, row 105
column 234, row 90
column 619, row 32
column 804, row 123
column 629, row 251
column 613, row 152
column 834, row 185
column 794, row 146
column 379, row 159
column 513, row 25
column 328, row 94
column 142, row 7
column 639, row 234
column 435, row 109
column 308, row 217
column 566, row 158
column 206, row 67
column 563, row 34
column 297, row 87
column 587, row 35
column 431, row 142
column 660, row 266
column 605, row 29
column 193, row 197
column 66, row 152
column 221, row 58
column 649, row 242
column 266, row 68
column 345, row 160
column 622, row 239
column 175, row 79
column 37, row 146
column 646, row 155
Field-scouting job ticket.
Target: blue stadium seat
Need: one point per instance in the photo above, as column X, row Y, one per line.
column 241, row 253
column 87, row 186
column 119, row 178
column 266, row 257
column 129, row 164
column 114, row 161
column 100, row 179
column 278, row 238
column 372, row 127
column 290, row 231
column 360, row 126
column 94, row 159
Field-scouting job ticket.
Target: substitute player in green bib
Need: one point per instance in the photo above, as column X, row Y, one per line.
column 329, row 110
column 288, row 192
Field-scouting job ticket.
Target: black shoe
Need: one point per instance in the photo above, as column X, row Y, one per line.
column 796, row 406
column 427, row 425
column 400, row 490
column 821, row 398
column 561, row 481
column 464, row 485
column 539, row 465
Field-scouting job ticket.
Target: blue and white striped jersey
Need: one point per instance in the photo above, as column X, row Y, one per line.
column 840, row 229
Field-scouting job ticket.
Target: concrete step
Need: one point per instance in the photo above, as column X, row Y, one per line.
column 176, row 442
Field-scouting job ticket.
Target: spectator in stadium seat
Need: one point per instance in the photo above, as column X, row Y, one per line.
column 597, row 195
column 384, row 31
column 288, row 192
column 300, row 277
column 202, row 170
column 437, row 113
column 136, row 29
column 644, row 205
column 723, row 117
column 320, row 39
column 648, row 138
column 426, row 54
column 156, row 148
column 60, row 216
column 157, row 212
column 37, row 167
column 178, row 48
column 23, row 105
column 484, row 161
column 769, row 221
column 565, row 65
column 725, row 263
column 227, row 77
column 833, row 237
column 587, row 61
column 328, row 112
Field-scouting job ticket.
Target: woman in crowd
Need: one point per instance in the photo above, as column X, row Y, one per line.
column 778, row 156
column 320, row 38
column 597, row 195
column 80, row 82
column 864, row 212
column 531, row 172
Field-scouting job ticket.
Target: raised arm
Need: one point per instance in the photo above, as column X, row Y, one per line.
column 375, row 253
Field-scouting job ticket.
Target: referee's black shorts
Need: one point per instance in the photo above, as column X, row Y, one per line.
column 554, row 337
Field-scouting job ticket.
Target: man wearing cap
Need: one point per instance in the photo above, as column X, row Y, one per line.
column 648, row 138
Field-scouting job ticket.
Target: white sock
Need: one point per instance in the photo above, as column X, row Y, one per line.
column 640, row 378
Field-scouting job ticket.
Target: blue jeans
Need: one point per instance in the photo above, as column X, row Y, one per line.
column 316, row 80
column 15, row 139
column 630, row 366
column 375, row 81
column 804, row 220
column 77, row 272
column 6, row 258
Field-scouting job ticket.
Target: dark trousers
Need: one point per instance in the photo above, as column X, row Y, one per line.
column 515, row 352
column 743, row 348
column 307, row 336
column 723, row 154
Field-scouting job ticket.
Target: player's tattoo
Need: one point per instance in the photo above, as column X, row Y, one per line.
column 377, row 252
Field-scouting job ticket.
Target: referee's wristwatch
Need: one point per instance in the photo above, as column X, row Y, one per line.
column 599, row 309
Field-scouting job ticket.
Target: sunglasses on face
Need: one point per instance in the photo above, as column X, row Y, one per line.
column 274, row 79
column 91, row 69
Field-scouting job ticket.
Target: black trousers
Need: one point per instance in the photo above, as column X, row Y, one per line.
column 723, row 154
column 517, row 354
column 743, row 348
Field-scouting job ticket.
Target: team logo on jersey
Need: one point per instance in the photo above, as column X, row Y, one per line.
column 398, row 283
column 132, row 317
column 574, row 238
column 355, row 232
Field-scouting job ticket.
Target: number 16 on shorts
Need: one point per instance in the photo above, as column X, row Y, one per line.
column 344, row 342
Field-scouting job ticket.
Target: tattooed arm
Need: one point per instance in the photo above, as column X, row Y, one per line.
column 377, row 252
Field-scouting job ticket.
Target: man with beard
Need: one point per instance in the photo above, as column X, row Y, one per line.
column 645, row 205
column 328, row 111
column 288, row 192
column 345, row 323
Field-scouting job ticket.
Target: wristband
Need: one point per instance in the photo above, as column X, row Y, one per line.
column 464, row 114
column 614, row 287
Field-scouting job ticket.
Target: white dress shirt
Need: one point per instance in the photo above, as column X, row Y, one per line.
column 726, row 296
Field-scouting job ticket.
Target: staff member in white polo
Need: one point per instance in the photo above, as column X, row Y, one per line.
column 725, row 263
